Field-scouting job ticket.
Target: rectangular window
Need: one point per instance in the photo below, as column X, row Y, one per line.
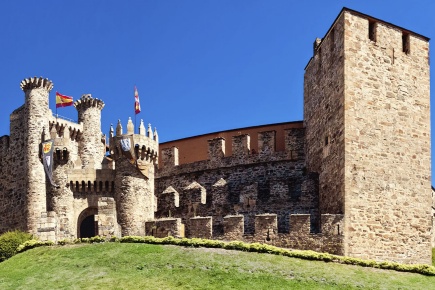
column 326, row 140
column 405, row 43
column 372, row 31
column 319, row 53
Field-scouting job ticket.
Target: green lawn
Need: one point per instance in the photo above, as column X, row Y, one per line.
column 144, row 266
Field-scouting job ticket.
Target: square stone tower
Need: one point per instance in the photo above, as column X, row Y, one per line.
column 367, row 118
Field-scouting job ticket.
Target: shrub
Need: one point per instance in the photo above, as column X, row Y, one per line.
column 10, row 241
column 97, row 239
column 30, row 244
column 64, row 242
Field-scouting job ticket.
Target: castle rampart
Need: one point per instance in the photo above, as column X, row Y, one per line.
column 245, row 183
column 195, row 148
column 299, row 235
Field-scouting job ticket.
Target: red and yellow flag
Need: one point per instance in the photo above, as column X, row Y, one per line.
column 136, row 101
column 63, row 101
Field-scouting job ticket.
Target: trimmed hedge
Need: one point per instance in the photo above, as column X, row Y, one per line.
column 253, row 247
column 30, row 244
column 10, row 241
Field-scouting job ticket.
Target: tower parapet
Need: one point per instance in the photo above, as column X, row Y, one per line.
column 36, row 83
column 142, row 146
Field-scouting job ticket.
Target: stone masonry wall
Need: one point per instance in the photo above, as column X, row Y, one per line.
column 324, row 118
column 387, row 143
column 243, row 184
column 12, row 183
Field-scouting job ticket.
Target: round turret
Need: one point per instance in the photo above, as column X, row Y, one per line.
column 91, row 145
column 135, row 157
column 36, row 125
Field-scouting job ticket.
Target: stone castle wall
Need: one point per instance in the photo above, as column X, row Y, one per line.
column 387, row 142
column 298, row 236
column 244, row 183
column 12, row 184
column 324, row 118
column 367, row 118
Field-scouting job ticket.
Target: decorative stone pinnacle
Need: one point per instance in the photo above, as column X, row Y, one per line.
column 130, row 126
column 119, row 128
column 35, row 82
column 111, row 130
column 150, row 131
column 155, row 136
column 142, row 128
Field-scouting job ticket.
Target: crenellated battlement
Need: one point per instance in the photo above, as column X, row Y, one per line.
column 64, row 129
column 89, row 186
column 241, row 151
column 143, row 146
column 35, row 82
column 90, row 181
column 266, row 230
column 86, row 101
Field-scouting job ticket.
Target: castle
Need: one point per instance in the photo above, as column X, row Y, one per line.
column 353, row 178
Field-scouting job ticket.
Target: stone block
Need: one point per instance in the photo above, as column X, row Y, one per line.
column 201, row 227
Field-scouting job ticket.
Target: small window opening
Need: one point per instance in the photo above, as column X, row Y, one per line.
column 332, row 40
column 268, row 235
column 372, row 30
column 319, row 52
column 405, row 43
column 326, row 140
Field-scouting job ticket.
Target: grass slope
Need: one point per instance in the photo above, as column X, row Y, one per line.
column 144, row 266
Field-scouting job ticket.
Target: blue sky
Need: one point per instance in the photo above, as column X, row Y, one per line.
column 200, row 66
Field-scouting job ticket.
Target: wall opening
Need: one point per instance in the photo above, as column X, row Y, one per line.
column 332, row 40
column 405, row 43
column 372, row 30
column 89, row 227
column 87, row 223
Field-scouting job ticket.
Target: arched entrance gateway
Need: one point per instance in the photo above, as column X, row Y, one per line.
column 87, row 225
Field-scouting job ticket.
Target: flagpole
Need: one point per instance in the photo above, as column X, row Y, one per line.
column 134, row 93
